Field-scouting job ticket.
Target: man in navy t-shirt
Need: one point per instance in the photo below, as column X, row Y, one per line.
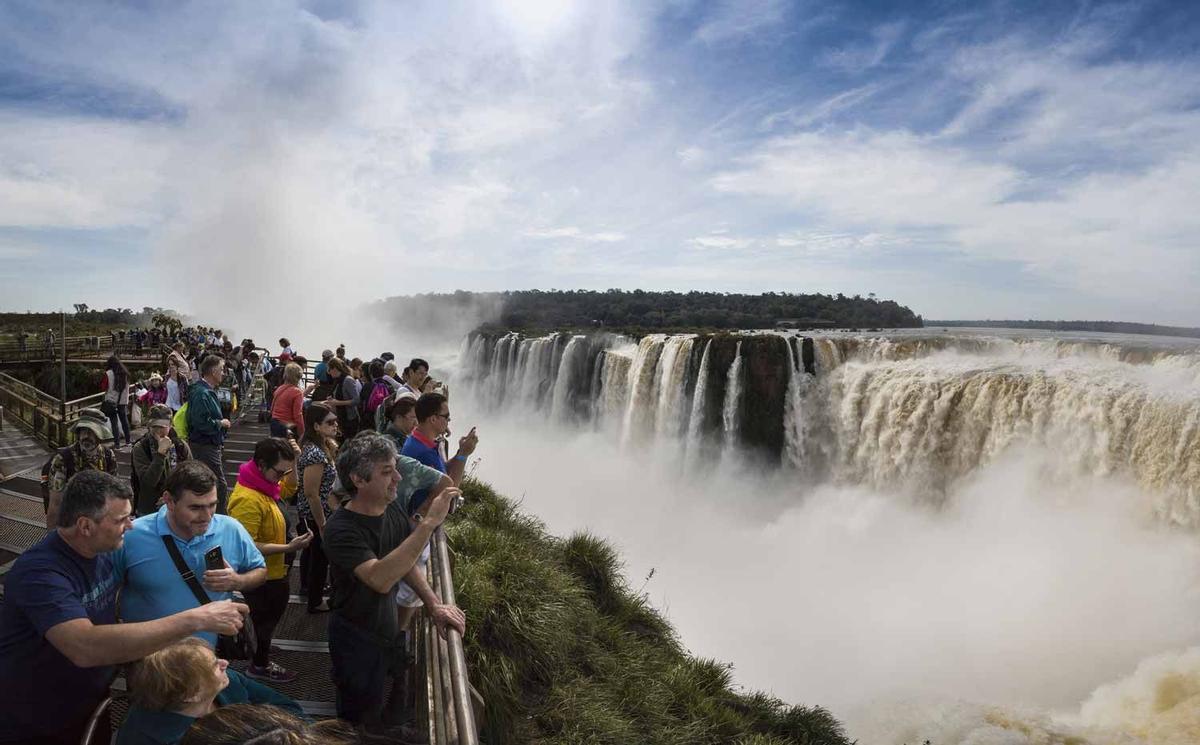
column 59, row 639
column 433, row 421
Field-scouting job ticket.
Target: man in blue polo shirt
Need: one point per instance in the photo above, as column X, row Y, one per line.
column 153, row 586
column 59, row 639
column 433, row 421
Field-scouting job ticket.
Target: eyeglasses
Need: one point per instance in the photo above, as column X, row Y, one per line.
column 329, row 421
column 282, row 473
column 445, row 416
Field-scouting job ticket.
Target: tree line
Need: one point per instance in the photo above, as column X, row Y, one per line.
column 622, row 309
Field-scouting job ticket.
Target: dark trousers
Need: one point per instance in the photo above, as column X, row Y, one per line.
column 267, row 604
column 278, row 428
column 315, row 566
column 119, row 420
column 211, row 456
column 361, row 668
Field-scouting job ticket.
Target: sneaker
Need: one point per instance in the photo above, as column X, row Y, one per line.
column 272, row 673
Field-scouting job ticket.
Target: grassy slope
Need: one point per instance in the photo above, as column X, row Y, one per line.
column 563, row 652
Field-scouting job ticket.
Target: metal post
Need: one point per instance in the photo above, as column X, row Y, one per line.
column 62, row 404
column 465, row 714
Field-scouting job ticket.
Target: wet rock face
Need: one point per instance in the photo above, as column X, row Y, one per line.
column 765, row 366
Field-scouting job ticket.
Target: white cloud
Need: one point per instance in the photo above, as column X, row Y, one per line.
column 729, row 20
column 723, row 242
column 572, row 232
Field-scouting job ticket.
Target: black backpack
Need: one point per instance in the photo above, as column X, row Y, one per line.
column 107, row 465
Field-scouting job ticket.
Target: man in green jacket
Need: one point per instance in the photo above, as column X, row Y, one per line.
column 206, row 426
column 154, row 457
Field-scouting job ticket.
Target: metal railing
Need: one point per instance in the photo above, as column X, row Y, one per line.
column 38, row 349
column 45, row 416
column 452, row 705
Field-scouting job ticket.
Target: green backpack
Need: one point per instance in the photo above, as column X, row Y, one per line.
column 179, row 422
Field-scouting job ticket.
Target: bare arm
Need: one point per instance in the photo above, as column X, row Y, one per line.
column 88, row 645
column 312, row 492
column 382, row 574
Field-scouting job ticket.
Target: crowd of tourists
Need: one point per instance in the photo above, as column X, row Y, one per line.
column 362, row 449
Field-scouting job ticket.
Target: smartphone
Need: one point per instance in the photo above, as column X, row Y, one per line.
column 213, row 559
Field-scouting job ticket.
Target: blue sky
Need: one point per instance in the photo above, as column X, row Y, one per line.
column 967, row 159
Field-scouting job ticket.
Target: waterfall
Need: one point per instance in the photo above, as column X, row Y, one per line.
column 733, row 398
column 696, row 420
column 572, row 371
column 913, row 415
column 639, row 411
column 673, row 368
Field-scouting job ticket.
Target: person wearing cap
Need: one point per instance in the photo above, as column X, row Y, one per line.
column 321, row 373
column 155, row 455
column 89, row 453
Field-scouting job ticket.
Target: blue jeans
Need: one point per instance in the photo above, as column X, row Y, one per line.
column 362, row 665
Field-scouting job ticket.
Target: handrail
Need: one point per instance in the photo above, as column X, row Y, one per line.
column 449, row 698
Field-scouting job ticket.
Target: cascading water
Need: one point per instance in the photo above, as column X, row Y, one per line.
column 733, row 399
column 696, row 419
column 915, row 414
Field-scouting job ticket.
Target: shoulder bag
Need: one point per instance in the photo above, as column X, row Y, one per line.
column 239, row 647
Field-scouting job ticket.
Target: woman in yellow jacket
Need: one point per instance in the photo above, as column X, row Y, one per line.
column 254, row 502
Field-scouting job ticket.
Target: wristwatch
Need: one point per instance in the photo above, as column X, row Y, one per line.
column 416, row 517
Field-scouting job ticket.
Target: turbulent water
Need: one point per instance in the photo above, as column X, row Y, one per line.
column 970, row 538
column 917, row 414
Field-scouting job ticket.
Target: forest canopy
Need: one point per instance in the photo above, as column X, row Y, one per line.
column 623, row 309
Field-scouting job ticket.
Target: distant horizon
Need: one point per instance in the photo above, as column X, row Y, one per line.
column 981, row 160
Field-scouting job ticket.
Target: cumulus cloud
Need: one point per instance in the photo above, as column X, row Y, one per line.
column 513, row 140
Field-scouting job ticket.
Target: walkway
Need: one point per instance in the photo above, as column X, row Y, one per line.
column 301, row 637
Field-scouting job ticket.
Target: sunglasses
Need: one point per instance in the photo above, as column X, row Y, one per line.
column 329, row 421
column 445, row 416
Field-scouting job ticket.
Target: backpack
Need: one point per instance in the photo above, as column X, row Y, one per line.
column 379, row 394
column 179, row 422
column 147, row 444
column 108, row 464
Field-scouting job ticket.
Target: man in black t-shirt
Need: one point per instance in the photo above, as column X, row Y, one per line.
column 371, row 545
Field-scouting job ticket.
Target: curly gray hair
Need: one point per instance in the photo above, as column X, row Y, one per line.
column 361, row 455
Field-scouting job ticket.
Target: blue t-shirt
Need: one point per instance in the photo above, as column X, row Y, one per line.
column 419, row 448
column 321, row 373
column 153, row 587
column 41, row 691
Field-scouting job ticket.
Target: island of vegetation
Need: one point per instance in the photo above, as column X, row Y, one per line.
column 638, row 310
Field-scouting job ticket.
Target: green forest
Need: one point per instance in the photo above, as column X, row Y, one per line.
column 529, row 310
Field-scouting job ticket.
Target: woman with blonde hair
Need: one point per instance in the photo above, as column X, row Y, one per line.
column 177, row 685
column 287, row 405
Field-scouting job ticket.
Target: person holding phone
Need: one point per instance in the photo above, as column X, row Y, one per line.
column 254, row 502
column 372, row 545
column 433, row 421
column 154, row 586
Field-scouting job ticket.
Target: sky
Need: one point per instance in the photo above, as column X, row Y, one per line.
column 967, row 159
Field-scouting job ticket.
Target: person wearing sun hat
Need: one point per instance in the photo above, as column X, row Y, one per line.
column 155, row 455
column 88, row 453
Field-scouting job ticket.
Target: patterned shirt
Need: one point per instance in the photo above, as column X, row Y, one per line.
column 94, row 461
column 311, row 456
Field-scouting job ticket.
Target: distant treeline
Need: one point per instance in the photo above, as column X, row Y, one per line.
column 620, row 309
column 1115, row 327
column 83, row 321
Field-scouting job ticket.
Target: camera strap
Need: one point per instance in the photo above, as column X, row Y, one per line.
column 185, row 572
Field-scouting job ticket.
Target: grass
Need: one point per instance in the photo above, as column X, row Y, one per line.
column 563, row 651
